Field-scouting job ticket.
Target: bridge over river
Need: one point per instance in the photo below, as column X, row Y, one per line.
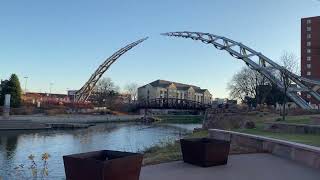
column 172, row 103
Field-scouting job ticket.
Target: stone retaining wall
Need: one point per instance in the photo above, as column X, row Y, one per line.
column 223, row 119
column 293, row 128
column 170, row 112
column 305, row 154
column 76, row 118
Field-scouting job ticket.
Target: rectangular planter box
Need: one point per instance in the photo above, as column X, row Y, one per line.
column 103, row 165
column 205, row 152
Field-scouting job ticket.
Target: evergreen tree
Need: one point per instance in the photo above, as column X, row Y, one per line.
column 12, row 87
column 3, row 90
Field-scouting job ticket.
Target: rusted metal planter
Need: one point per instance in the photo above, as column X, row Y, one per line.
column 205, row 152
column 103, row 165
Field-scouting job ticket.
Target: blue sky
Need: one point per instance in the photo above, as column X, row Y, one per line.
column 63, row 42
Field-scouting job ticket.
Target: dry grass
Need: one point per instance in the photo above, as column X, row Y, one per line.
column 168, row 151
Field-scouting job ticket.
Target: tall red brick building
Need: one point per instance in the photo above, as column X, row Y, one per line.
column 310, row 51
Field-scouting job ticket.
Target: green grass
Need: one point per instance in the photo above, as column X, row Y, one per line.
column 298, row 120
column 181, row 119
column 309, row 139
column 168, row 151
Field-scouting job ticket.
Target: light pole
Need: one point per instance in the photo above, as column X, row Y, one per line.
column 50, row 88
column 25, row 84
column 68, row 93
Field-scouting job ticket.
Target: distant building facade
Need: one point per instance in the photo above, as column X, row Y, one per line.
column 34, row 98
column 72, row 94
column 219, row 101
column 310, row 51
column 168, row 89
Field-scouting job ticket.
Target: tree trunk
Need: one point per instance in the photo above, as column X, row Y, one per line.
column 284, row 107
column 286, row 85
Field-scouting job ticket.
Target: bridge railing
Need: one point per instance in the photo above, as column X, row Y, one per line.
column 172, row 103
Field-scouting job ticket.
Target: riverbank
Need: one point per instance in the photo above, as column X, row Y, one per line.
column 37, row 122
column 168, row 151
column 75, row 118
column 180, row 119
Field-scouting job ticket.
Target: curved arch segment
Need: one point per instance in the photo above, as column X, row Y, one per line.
column 257, row 62
column 83, row 94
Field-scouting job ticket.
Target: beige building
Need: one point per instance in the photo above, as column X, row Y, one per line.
column 168, row 89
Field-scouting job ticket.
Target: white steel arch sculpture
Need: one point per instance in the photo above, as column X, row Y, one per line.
column 83, row 94
column 260, row 63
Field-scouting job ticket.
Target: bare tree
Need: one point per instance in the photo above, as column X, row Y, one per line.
column 132, row 89
column 245, row 83
column 105, row 92
column 290, row 63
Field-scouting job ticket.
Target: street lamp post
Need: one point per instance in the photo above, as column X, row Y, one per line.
column 50, row 88
column 25, row 84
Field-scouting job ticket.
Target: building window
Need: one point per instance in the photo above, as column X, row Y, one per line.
column 308, row 66
column 309, row 43
column 308, row 36
column 308, row 28
column 309, row 51
column 309, row 73
column 308, row 58
column 309, row 21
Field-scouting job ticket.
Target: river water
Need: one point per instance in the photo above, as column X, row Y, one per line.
column 16, row 146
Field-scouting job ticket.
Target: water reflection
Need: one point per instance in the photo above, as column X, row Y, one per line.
column 15, row 146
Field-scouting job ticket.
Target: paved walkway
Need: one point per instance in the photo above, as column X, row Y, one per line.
column 240, row 167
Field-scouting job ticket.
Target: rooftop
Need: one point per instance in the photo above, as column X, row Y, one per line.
column 165, row 83
column 312, row 17
column 180, row 86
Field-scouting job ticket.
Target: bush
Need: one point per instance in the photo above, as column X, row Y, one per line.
column 52, row 112
column 279, row 119
column 23, row 111
column 249, row 125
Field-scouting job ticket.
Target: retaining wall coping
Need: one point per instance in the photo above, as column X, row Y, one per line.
column 278, row 141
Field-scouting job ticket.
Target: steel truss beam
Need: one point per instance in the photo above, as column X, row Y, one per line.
column 83, row 94
column 258, row 62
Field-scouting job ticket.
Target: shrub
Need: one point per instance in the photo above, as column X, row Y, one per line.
column 34, row 170
column 52, row 112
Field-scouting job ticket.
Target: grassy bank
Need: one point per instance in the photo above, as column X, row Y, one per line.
column 181, row 119
column 171, row 151
column 309, row 139
column 167, row 152
column 260, row 119
column 297, row 120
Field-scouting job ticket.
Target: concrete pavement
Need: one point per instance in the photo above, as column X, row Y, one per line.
column 239, row 167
